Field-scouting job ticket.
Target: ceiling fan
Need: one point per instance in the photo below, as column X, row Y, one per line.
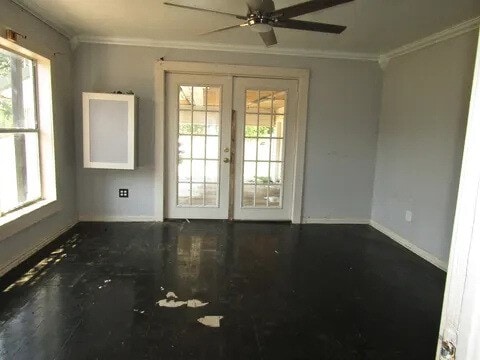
column 262, row 17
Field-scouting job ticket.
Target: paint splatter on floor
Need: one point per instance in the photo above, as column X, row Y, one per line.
column 210, row 321
column 170, row 302
column 171, row 294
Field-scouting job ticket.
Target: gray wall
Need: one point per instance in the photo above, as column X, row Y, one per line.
column 342, row 128
column 422, row 128
column 45, row 41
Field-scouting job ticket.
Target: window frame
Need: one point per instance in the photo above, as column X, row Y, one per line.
column 32, row 212
column 27, row 130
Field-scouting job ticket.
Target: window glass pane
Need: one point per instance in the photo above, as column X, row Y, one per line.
column 20, row 177
column 213, row 99
column 276, row 153
column 198, row 147
column 251, row 101
column 274, row 196
column 248, row 195
column 198, row 123
column 213, row 123
column 279, row 102
column 184, row 170
column 262, row 173
column 184, row 122
column 261, row 196
column 276, row 172
column 250, row 151
column 211, row 171
column 184, row 146
column 197, row 194
column 199, row 97
column 212, row 147
column 185, row 97
column 263, row 149
column 249, row 172
column 264, row 125
column 278, row 126
column 183, row 194
column 211, row 194
column 198, row 170
column 251, row 125
column 17, row 91
column 265, row 102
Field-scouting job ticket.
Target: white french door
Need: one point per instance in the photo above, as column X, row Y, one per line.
column 264, row 141
column 214, row 173
column 198, row 131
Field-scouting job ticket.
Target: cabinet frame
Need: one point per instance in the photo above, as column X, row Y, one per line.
column 132, row 105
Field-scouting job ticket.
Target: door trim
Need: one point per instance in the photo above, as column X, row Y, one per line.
column 198, row 68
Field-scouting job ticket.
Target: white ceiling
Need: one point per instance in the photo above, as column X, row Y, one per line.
column 373, row 26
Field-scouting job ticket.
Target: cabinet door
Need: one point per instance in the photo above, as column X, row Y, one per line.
column 109, row 123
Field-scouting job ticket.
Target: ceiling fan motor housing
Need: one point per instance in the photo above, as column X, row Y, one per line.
column 259, row 24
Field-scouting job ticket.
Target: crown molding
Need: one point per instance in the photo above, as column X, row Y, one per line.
column 382, row 59
column 433, row 39
column 224, row 47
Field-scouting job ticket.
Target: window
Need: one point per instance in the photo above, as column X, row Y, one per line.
column 28, row 191
column 20, row 180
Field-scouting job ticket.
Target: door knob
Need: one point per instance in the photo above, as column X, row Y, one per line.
column 226, row 160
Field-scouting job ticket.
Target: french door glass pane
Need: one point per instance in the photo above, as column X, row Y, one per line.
column 198, row 145
column 213, row 123
column 263, row 155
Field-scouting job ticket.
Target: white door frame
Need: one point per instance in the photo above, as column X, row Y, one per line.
column 198, row 68
column 460, row 323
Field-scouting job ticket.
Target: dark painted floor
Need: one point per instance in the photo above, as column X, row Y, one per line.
column 286, row 292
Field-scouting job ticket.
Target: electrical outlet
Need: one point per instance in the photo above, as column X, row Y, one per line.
column 408, row 216
column 123, row 193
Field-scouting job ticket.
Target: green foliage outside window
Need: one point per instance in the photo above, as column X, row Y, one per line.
column 194, row 129
column 262, row 131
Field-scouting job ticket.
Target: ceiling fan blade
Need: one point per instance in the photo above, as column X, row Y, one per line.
column 263, row 6
column 268, row 37
column 224, row 28
column 306, row 7
column 310, row 26
column 206, row 10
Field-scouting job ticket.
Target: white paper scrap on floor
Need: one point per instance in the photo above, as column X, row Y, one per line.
column 211, row 321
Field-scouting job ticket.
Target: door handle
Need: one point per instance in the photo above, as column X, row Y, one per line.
column 226, row 160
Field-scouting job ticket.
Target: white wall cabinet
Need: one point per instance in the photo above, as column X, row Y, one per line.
column 109, row 131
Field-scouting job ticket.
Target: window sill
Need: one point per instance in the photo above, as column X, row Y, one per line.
column 23, row 218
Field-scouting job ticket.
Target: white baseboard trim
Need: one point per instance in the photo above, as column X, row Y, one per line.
column 24, row 256
column 142, row 218
column 309, row 220
column 410, row 246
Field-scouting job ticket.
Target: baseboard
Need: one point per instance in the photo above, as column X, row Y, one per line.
column 410, row 246
column 120, row 218
column 309, row 220
column 18, row 260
